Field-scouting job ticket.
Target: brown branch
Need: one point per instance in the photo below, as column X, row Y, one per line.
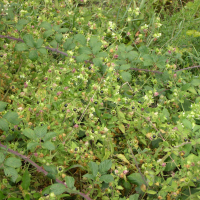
column 40, row 169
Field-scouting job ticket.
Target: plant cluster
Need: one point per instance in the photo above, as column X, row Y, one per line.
column 98, row 101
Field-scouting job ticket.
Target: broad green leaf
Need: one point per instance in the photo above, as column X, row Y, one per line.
column 56, row 27
column 74, row 166
column 101, row 55
column 59, row 37
column 97, row 62
column 29, row 133
column 2, row 157
column 19, row 27
column 28, row 39
column 3, row 125
column 123, row 158
column 107, row 178
column 2, row 196
column 32, row 145
column 192, row 90
column 69, row 45
column 33, row 55
column 186, row 148
column 148, row 61
column 23, row 21
column 107, row 116
column 93, row 167
column 195, row 82
column 49, row 135
column 69, row 182
column 54, row 44
column 128, row 48
column 26, row 180
column 48, row 33
column 132, row 55
column 10, row 171
column 126, row 76
column 122, row 128
column 81, row 39
column 160, row 63
column 42, row 51
column 82, row 58
column 187, row 123
column 170, row 164
column 2, row 106
column 136, row 179
column 125, row 67
column 12, row 117
column 134, row 197
column 48, row 145
column 197, row 127
column 122, row 48
column 93, row 41
column 96, row 48
column 45, row 25
column 13, row 162
column 104, row 166
column 51, row 169
column 40, row 131
column 143, row 50
column 39, row 43
column 85, row 50
column 21, row 47
column 89, row 176
column 58, row 188
column 63, row 30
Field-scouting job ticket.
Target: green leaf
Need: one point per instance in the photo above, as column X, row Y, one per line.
column 2, row 157
column 94, row 168
column 2, row 106
column 197, row 127
column 96, row 48
column 54, row 44
column 125, row 67
column 40, row 131
column 132, row 55
column 39, row 43
column 89, row 176
column 97, row 62
column 63, row 30
column 42, row 51
column 29, row 133
column 192, row 90
column 151, row 192
column 56, row 27
column 23, row 21
column 48, row 145
column 1, row 195
column 48, row 33
column 3, row 125
column 148, row 61
column 136, row 179
column 134, row 197
column 93, row 41
column 126, row 76
column 45, row 25
column 28, row 39
column 13, row 162
column 82, row 58
column 105, row 166
column 195, row 82
column 101, row 55
column 21, row 47
column 69, row 182
column 143, row 50
column 10, row 171
column 107, row 116
column 81, row 39
column 19, row 27
column 26, row 180
column 12, row 117
column 122, row 128
column 49, row 135
column 186, row 148
column 69, row 45
column 187, row 123
column 107, row 178
column 58, row 188
column 59, row 37
column 84, row 50
column 33, row 55
column 32, row 145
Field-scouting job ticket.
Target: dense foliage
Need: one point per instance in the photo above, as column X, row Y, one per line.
column 99, row 99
